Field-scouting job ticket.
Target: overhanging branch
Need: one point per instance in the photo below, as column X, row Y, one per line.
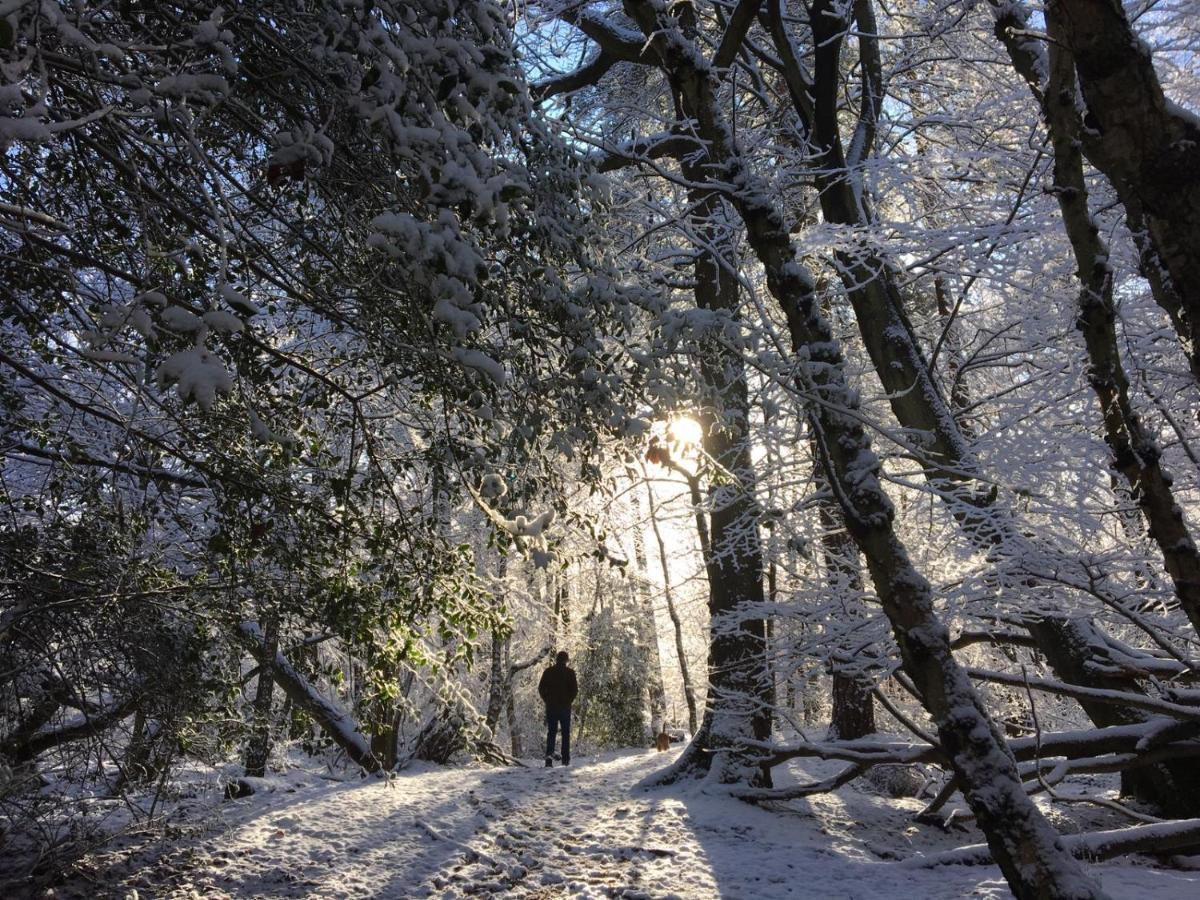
column 586, row 75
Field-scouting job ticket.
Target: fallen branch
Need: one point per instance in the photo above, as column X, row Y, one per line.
column 865, row 752
column 1134, row 740
column 1014, row 638
column 832, row 783
column 1097, row 845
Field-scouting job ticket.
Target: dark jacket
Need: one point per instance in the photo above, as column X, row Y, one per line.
column 558, row 687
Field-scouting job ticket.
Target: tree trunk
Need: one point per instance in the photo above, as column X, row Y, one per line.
column 853, row 706
column 514, row 730
column 1069, row 644
column 689, row 690
column 328, row 714
column 1135, row 453
column 739, row 706
column 258, row 748
column 1147, row 147
column 647, row 629
column 853, row 714
column 879, row 308
column 496, row 683
column 562, row 606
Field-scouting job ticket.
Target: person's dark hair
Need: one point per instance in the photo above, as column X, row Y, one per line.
column 561, row 658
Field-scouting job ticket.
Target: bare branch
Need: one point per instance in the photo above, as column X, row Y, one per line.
column 586, row 75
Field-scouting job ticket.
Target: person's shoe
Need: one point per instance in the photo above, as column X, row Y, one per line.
column 550, row 762
column 566, row 762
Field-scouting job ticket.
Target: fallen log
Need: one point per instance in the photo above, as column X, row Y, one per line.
column 1097, row 845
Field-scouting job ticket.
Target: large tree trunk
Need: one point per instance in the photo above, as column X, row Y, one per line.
column 739, row 707
column 1027, row 849
column 1173, row 786
column 870, row 283
column 1135, row 453
column 1068, row 644
column 853, row 704
column 1147, row 147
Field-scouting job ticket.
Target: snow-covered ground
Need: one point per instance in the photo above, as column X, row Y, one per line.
column 583, row 831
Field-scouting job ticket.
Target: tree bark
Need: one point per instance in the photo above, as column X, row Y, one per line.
column 514, row 729
column 1135, row 453
column 739, row 706
column 258, row 748
column 1147, row 147
column 853, row 706
column 870, row 284
column 23, row 747
column 562, row 606
column 496, row 682
column 1173, row 786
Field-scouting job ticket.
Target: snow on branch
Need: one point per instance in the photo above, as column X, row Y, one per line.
column 1098, row 845
column 1116, row 698
column 655, row 146
column 616, row 40
column 586, row 75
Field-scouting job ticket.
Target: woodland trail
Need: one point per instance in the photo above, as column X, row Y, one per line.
column 583, row 831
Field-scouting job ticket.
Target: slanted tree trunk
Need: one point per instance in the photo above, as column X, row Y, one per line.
column 23, row 745
column 16, row 744
column 1028, row 58
column 853, row 704
column 1026, row 848
column 1135, row 453
column 1147, row 147
column 328, row 714
column 870, row 285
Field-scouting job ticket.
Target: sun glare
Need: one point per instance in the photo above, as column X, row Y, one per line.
column 686, row 431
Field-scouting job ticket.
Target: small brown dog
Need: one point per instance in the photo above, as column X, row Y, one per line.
column 663, row 741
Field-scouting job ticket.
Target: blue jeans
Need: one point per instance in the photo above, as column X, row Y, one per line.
column 555, row 718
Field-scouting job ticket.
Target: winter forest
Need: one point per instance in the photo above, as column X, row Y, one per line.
column 822, row 375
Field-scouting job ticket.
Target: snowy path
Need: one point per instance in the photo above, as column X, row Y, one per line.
column 585, row 831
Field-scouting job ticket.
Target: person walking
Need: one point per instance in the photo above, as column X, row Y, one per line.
column 557, row 689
